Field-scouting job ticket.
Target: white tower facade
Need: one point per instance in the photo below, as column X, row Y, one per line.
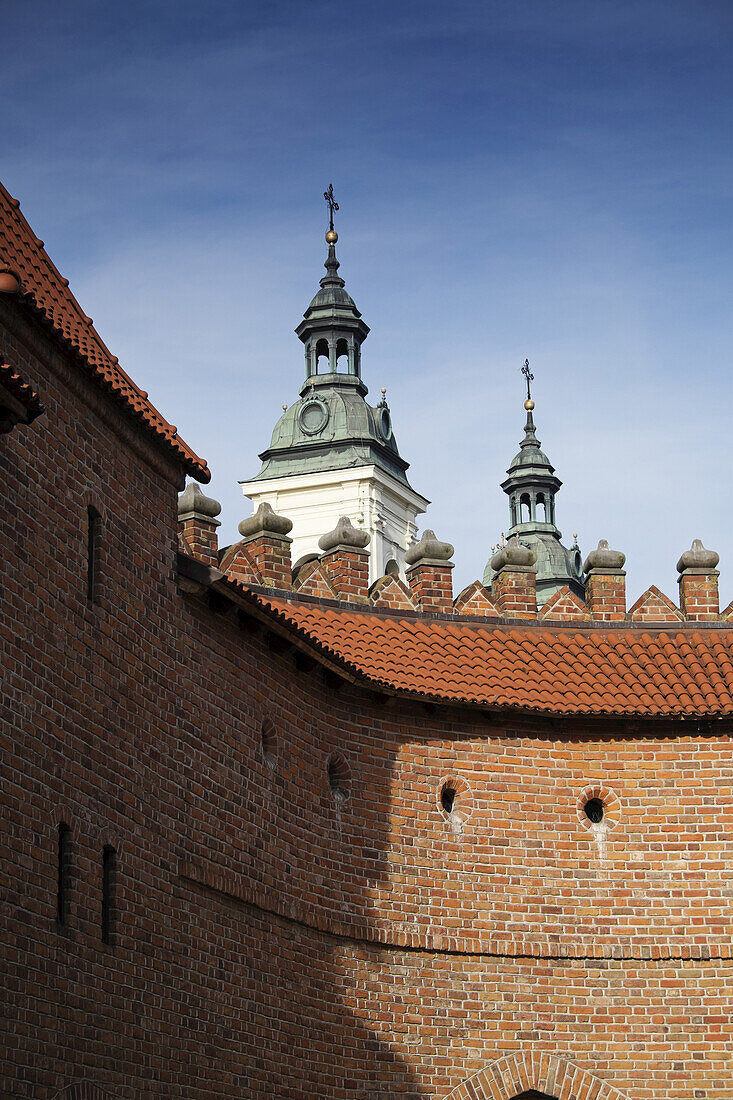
column 373, row 500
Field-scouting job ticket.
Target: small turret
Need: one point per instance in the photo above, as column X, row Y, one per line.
column 532, row 486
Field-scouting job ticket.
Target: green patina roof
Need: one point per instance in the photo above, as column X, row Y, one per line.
column 331, row 426
column 531, row 472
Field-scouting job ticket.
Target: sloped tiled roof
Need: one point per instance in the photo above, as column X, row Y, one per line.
column 653, row 672
column 21, row 390
column 47, row 292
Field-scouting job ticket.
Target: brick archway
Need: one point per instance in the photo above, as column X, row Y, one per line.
column 512, row 1076
column 82, row 1090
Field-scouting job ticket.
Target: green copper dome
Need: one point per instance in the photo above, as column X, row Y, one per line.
column 332, row 427
column 531, row 485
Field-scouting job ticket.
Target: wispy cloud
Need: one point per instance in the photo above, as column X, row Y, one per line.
column 550, row 180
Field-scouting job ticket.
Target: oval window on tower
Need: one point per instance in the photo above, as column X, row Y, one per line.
column 313, row 416
column 385, row 424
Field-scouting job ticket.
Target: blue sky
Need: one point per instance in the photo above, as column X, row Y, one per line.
column 542, row 179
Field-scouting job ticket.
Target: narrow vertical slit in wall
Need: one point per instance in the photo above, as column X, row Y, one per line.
column 93, row 524
column 109, row 868
column 62, row 874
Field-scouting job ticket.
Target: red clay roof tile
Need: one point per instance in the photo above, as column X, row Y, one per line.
column 599, row 671
column 48, row 294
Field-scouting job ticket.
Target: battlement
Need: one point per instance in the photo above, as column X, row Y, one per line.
column 341, row 573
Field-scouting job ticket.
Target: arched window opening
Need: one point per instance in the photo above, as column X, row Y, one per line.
column 532, row 1095
column 541, row 508
column 391, row 568
column 321, row 352
column 447, row 797
column 342, row 356
column 109, row 876
column 62, row 874
column 525, row 513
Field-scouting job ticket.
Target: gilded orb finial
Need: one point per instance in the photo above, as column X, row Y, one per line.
column 528, row 377
column 331, row 234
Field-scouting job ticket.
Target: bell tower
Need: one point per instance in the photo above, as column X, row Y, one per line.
column 331, row 453
column 532, row 486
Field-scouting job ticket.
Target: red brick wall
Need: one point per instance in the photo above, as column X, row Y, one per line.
column 432, row 586
column 699, row 598
column 276, row 937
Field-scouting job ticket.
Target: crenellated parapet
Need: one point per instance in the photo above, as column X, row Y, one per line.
column 340, row 573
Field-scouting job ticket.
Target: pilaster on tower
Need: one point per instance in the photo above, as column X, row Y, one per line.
column 332, row 454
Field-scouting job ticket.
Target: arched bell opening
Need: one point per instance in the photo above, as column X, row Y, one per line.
column 342, row 356
column 321, row 353
column 541, row 509
column 525, row 508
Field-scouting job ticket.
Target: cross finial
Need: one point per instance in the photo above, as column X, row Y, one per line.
column 528, row 377
column 332, row 206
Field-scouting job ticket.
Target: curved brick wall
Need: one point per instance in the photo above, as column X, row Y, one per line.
column 272, row 938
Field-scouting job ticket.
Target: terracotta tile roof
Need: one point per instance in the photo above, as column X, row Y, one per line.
column 16, row 385
column 48, row 294
column 633, row 670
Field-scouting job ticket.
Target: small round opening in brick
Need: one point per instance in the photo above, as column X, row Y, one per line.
column 448, row 797
column 338, row 777
column 269, row 742
column 593, row 810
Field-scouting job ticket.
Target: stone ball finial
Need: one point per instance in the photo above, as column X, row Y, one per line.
column 698, row 558
column 604, row 558
column 192, row 502
column 429, row 548
column 513, row 554
column 265, row 521
column 344, row 534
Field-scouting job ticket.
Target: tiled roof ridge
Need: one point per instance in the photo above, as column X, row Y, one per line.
column 55, row 304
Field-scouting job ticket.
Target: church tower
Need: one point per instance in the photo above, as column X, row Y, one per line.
column 532, row 486
column 331, row 453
